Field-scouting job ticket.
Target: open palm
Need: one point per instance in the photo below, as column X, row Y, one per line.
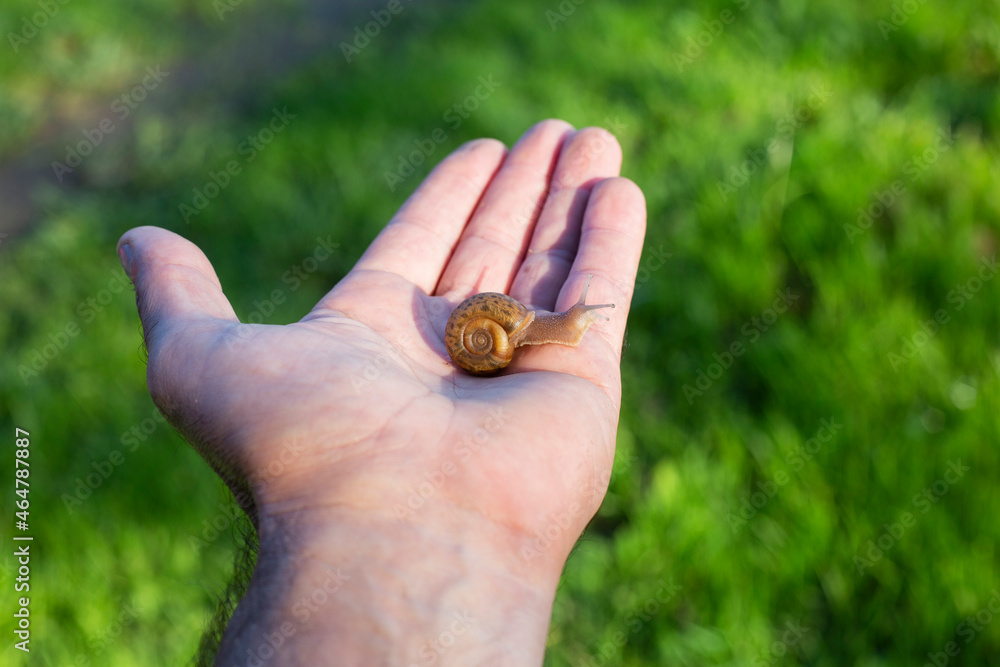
column 357, row 406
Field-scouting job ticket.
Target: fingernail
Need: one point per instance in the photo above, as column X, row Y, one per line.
column 125, row 256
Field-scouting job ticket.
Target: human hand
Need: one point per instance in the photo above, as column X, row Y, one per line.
column 355, row 444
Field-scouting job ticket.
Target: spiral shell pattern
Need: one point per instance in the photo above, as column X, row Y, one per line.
column 483, row 331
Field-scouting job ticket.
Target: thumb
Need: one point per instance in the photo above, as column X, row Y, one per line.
column 180, row 304
column 184, row 315
column 174, row 282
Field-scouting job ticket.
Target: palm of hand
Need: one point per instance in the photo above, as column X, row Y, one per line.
column 358, row 406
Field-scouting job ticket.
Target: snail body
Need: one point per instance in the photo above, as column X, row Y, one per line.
column 485, row 329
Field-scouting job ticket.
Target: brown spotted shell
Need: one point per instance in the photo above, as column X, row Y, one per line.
column 483, row 331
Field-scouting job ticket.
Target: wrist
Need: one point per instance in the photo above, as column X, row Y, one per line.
column 384, row 591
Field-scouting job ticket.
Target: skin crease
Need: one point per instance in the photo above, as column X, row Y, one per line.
column 409, row 513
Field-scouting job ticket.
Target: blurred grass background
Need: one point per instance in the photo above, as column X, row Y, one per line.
column 750, row 518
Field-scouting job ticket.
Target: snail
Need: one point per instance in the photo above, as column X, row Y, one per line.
column 485, row 329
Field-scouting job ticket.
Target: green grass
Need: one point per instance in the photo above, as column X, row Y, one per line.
column 687, row 461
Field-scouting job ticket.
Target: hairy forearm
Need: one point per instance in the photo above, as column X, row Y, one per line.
column 391, row 593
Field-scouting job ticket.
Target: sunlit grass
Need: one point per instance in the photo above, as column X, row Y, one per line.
column 701, row 554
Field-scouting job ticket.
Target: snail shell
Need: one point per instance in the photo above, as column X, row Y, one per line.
column 483, row 331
